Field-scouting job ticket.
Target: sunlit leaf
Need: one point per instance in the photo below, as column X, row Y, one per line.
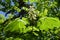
column 17, row 26
column 49, row 23
column 2, row 18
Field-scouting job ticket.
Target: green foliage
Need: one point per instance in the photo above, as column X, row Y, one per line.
column 2, row 18
column 8, row 1
column 11, row 38
column 41, row 22
column 31, row 1
column 46, row 23
column 17, row 9
column 16, row 25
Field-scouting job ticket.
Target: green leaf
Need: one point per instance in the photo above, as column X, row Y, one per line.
column 16, row 26
column 25, row 20
column 17, row 9
column 48, row 23
column 44, row 13
column 2, row 18
column 8, row 1
column 31, row 1
column 35, row 34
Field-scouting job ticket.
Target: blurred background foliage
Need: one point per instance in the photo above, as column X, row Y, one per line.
column 30, row 20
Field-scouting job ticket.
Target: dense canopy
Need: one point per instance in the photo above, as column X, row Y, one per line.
column 30, row 20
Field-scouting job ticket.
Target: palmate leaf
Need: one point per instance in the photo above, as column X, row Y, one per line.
column 16, row 26
column 48, row 23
